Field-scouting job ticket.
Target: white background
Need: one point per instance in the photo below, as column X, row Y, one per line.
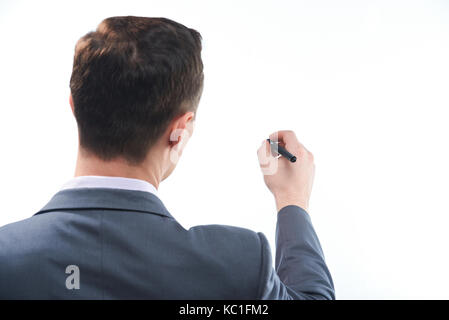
column 364, row 84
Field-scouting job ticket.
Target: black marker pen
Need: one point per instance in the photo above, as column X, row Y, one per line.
column 281, row 150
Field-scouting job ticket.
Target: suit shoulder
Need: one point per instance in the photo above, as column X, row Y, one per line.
column 12, row 231
column 236, row 251
column 26, row 235
column 226, row 235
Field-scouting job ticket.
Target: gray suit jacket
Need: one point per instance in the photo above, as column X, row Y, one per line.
column 123, row 244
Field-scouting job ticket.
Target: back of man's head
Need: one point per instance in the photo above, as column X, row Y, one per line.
column 130, row 78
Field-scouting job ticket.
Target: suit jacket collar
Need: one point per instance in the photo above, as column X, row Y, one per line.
column 106, row 198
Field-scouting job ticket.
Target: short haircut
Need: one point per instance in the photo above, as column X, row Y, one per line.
column 130, row 78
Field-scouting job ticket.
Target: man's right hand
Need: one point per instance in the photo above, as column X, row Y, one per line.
column 290, row 182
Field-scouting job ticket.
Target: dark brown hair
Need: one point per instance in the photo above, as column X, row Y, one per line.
column 130, row 78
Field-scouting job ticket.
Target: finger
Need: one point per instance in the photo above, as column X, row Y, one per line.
column 268, row 162
column 286, row 136
column 288, row 139
column 264, row 153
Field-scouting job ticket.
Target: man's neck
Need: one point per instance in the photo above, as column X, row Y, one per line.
column 90, row 165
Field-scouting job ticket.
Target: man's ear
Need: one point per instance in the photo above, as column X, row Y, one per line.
column 71, row 104
column 181, row 129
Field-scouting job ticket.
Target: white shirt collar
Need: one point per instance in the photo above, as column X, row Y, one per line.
column 110, row 182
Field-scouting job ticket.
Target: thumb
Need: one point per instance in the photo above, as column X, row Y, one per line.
column 264, row 153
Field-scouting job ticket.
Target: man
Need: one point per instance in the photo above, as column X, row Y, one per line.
column 135, row 87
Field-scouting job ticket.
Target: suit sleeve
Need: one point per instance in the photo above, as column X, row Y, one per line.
column 300, row 270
